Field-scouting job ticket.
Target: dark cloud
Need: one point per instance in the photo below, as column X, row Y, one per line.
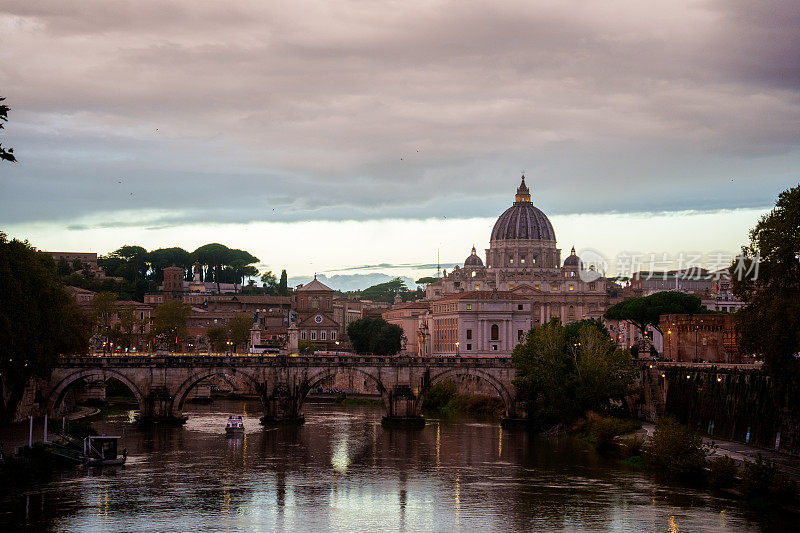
column 306, row 111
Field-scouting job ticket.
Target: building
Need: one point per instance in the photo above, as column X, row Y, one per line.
column 707, row 338
column 523, row 257
column 82, row 296
column 692, row 281
column 412, row 317
column 86, row 260
column 315, row 319
column 480, row 323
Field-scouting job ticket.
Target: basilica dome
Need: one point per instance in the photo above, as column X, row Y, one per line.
column 522, row 220
column 473, row 260
column 573, row 260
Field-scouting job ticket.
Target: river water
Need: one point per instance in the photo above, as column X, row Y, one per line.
column 343, row 471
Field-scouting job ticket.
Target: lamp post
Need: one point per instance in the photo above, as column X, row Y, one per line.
column 457, row 352
column 229, row 343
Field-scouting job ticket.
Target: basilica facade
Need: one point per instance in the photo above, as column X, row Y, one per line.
column 523, row 259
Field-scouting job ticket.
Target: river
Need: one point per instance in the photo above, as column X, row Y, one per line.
column 343, row 471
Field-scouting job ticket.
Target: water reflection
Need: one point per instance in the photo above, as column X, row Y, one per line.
column 342, row 470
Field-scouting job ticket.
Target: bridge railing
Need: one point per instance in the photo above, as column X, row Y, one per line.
column 180, row 359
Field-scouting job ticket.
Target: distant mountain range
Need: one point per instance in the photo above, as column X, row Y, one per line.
column 350, row 282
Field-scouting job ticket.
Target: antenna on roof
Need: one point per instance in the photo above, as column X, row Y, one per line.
column 438, row 266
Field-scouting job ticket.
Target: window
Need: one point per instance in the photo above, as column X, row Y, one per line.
column 315, row 303
column 333, row 335
column 592, row 285
column 522, row 259
column 322, row 335
column 302, row 334
column 536, row 286
column 555, row 287
column 469, row 307
column 510, row 260
column 469, row 346
column 494, row 347
column 520, row 334
column 495, row 332
column 572, row 287
column 511, row 287
column 469, row 334
column 473, row 273
column 519, row 307
column 313, row 335
column 477, row 287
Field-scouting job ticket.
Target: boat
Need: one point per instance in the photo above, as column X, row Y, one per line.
column 102, row 451
column 234, row 427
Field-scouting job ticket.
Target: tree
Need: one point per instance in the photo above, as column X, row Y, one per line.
column 128, row 262
column 239, row 329
column 5, row 154
column 385, row 292
column 170, row 319
column 561, row 376
column 103, row 306
column 213, row 256
column 162, row 258
column 643, row 311
column 127, row 323
column 306, row 347
column 63, row 267
column 283, row 285
column 39, row 321
column 375, row 336
column 270, row 282
column 217, row 336
column 767, row 278
column 426, row 280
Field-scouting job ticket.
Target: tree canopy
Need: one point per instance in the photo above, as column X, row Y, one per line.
column 6, row 154
column 767, row 279
column 162, row 258
column 39, row 321
column 643, row 311
column 563, row 374
column 239, row 329
column 170, row 319
column 375, row 336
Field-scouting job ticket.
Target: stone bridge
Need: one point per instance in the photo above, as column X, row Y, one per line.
column 161, row 384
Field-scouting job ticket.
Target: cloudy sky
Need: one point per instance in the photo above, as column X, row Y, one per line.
column 365, row 135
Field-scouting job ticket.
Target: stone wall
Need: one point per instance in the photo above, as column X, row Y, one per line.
column 735, row 399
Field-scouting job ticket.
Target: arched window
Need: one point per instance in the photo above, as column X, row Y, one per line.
column 495, row 332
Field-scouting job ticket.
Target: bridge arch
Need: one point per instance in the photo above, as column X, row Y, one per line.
column 314, row 379
column 56, row 396
column 188, row 384
column 503, row 389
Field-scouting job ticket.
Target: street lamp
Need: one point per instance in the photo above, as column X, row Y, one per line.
column 229, row 343
column 669, row 343
column 457, row 353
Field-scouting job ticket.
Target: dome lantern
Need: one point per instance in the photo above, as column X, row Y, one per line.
column 523, row 193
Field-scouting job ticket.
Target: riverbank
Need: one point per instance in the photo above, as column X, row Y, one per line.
column 787, row 463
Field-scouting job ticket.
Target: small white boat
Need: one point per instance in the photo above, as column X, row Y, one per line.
column 234, row 427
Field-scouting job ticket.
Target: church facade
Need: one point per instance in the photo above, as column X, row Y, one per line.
column 523, row 258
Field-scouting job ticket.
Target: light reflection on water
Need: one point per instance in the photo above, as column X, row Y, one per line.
column 343, row 471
